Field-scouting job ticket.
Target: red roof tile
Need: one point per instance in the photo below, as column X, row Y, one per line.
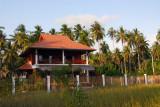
column 26, row 66
column 59, row 42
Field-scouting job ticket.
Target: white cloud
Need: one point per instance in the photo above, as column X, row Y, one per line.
column 85, row 19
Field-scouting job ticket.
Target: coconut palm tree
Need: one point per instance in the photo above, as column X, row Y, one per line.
column 156, row 50
column 121, row 35
column 21, row 40
column 52, row 31
column 158, row 35
column 137, row 35
column 118, row 57
column 84, row 38
column 97, row 32
column 105, row 49
column 130, row 43
column 10, row 56
column 66, row 31
column 78, row 29
column 112, row 34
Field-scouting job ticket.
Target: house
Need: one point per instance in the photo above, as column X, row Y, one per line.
column 55, row 51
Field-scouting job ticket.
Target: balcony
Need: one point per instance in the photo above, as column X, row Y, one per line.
column 59, row 61
column 50, row 61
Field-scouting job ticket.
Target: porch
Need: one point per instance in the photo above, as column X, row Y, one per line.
column 62, row 57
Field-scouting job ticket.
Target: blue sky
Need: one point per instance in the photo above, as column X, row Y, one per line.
column 143, row 14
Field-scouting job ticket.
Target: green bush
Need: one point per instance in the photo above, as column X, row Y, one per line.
column 107, row 70
column 149, row 69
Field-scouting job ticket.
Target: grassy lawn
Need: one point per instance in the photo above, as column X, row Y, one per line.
column 139, row 95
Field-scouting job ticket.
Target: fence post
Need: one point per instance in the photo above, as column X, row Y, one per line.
column 145, row 79
column 48, row 83
column 103, row 80
column 111, row 81
column 125, row 79
column 77, row 76
column 13, row 85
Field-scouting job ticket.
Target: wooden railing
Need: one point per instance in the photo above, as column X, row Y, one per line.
column 75, row 61
column 50, row 61
column 59, row 61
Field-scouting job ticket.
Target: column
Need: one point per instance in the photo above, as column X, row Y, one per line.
column 125, row 79
column 103, row 80
column 13, row 85
column 87, row 57
column 36, row 56
column 145, row 79
column 48, row 83
column 63, row 57
column 87, row 74
column 78, row 83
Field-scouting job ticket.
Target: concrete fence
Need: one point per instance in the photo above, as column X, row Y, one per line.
column 125, row 80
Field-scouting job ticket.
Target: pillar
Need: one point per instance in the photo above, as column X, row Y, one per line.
column 63, row 57
column 13, row 85
column 125, row 79
column 87, row 57
column 36, row 56
column 78, row 83
column 87, row 74
column 48, row 83
column 145, row 79
column 103, row 80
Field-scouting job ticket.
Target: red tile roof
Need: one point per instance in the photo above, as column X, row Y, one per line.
column 59, row 42
column 26, row 66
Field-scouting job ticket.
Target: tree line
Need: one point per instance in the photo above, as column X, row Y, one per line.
column 133, row 58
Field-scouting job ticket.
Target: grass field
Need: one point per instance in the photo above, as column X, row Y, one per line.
column 135, row 96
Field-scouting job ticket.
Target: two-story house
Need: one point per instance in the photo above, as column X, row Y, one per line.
column 55, row 51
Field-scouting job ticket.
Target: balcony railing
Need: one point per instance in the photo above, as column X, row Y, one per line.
column 75, row 61
column 49, row 61
column 58, row 61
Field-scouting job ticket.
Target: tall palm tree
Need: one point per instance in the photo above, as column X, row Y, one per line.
column 52, row 31
column 130, row 43
column 112, row 34
column 158, row 35
column 2, row 47
column 137, row 36
column 21, row 40
column 118, row 58
column 97, row 32
column 66, row 31
column 156, row 50
column 84, row 38
column 78, row 29
column 10, row 56
column 105, row 49
column 121, row 35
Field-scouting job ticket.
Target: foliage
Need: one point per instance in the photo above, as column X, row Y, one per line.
column 75, row 97
column 149, row 69
column 131, row 96
column 61, row 74
column 5, row 87
column 107, row 70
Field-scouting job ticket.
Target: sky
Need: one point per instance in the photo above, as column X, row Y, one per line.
column 141, row 14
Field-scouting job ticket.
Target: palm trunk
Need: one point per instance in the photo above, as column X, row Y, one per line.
column 99, row 54
column 130, row 61
column 152, row 64
column 105, row 60
column 113, row 45
column 139, row 65
column 124, row 60
column 121, row 67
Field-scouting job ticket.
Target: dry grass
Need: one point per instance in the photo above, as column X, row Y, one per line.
column 135, row 96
